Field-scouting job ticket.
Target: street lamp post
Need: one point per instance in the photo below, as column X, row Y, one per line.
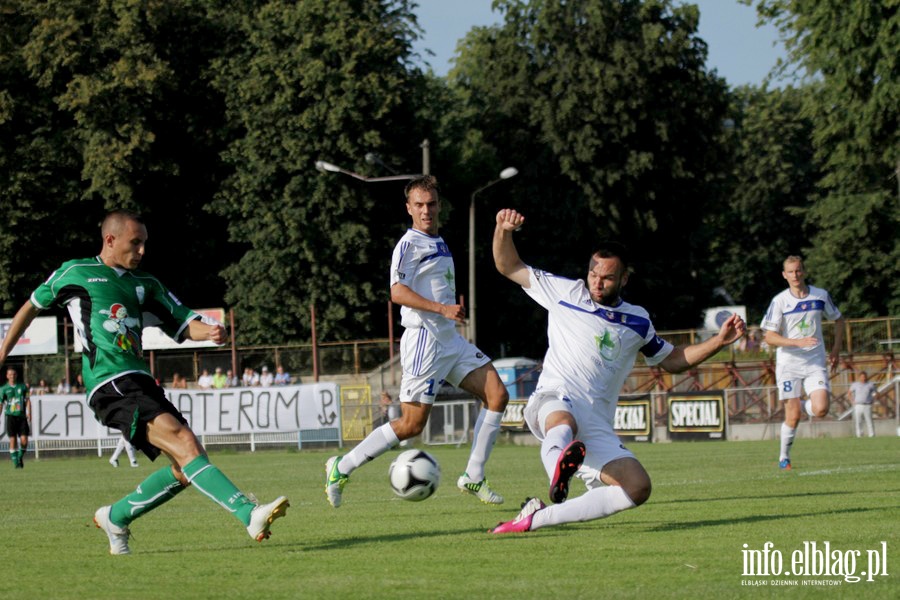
column 504, row 174
column 323, row 166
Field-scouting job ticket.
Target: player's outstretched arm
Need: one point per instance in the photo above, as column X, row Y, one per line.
column 685, row 357
column 24, row 316
column 405, row 296
column 506, row 257
column 203, row 332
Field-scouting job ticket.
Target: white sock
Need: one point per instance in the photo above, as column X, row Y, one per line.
column 595, row 504
column 129, row 449
column 787, row 439
column 807, row 407
column 118, row 451
column 487, row 426
column 376, row 443
column 554, row 442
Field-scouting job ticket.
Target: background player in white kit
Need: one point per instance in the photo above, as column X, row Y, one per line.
column 793, row 324
column 594, row 337
column 431, row 351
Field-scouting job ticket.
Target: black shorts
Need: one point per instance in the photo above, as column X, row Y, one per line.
column 17, row 426
column 128, row 403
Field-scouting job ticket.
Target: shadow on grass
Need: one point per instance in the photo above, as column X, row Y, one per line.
column 771, row 496
column 681, row 525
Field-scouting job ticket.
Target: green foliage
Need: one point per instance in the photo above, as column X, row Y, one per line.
column 615, row 125
column 111, row 108
column 309, row 81
column 851, row 50
column 771, row 175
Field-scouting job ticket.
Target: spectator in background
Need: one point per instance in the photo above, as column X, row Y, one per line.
column 78, row 386
column 15, row 396
column 63, row 387
column 231, row 380
column 266, row 378
column 863, row 393
column 178, row 382
column 219, row 381
column 282, row 378
column 205, row 381
column 250, row 378
column 40, row 388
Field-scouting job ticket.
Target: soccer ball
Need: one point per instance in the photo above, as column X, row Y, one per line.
column 414, row 475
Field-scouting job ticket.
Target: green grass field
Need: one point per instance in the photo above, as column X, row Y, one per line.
column 709, row 499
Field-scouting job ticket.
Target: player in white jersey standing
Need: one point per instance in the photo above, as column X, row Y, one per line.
column 793, row 324
column 594, row 337
column 431, row 351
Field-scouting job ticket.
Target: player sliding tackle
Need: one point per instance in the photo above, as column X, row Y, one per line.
column 594, row 337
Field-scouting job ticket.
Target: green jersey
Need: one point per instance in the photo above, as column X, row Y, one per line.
column 109, row 308
column 14, row 396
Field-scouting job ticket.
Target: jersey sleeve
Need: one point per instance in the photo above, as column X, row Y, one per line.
column 831, row 311
column 162, row 309
column 45, row 295
column 772, row 319
column 403, row 263
column 547, row 289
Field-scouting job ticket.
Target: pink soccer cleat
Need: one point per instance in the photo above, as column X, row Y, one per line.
column 568, row 464
column 522, row 522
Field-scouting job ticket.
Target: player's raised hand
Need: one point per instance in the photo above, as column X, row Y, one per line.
column 732, row 329
column 509, row 219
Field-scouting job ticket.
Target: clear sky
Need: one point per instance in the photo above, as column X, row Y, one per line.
column 738, row 50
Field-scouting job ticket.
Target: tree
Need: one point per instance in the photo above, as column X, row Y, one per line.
column 849, row 50
column 616, row 127
column 110, row 109
column 308, row 81
column 770, row 175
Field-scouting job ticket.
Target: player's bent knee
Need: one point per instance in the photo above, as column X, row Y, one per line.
column 639, row 493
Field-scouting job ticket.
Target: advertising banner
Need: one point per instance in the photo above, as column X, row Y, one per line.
column 39, row 338
column 697, row 415
column 209, row 412
column 634, row 420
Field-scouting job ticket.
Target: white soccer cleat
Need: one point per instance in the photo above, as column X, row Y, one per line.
column 134, row 463
column 334, row 481
column 479, row 489
column 114, row 462
column 118, row 536
column 262, row 516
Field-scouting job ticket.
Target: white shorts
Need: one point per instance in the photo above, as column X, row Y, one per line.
column 595, row 428
column 793, row 382
column 427, row 363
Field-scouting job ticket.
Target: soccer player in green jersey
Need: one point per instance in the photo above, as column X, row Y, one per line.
column 14, row 395
column 110, row 301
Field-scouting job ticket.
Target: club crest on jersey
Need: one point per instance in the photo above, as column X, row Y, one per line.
column 139, row 292
column 608, row 344
column 805, row 327
column 122, row 326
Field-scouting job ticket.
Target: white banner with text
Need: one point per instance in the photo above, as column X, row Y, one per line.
column 209, row 412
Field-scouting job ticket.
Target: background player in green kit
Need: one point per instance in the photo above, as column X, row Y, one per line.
column 14, row 395
column 110, row 301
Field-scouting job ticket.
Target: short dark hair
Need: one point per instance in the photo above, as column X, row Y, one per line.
column 117, row 218
column 426, row 183
column 612, row 249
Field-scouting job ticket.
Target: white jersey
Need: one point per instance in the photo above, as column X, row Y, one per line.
column 795, row 318
column 423, row 263
column 592, row 347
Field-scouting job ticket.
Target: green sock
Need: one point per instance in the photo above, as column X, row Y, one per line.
column 160, row 487
column 209, row 480
column 14, row 456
